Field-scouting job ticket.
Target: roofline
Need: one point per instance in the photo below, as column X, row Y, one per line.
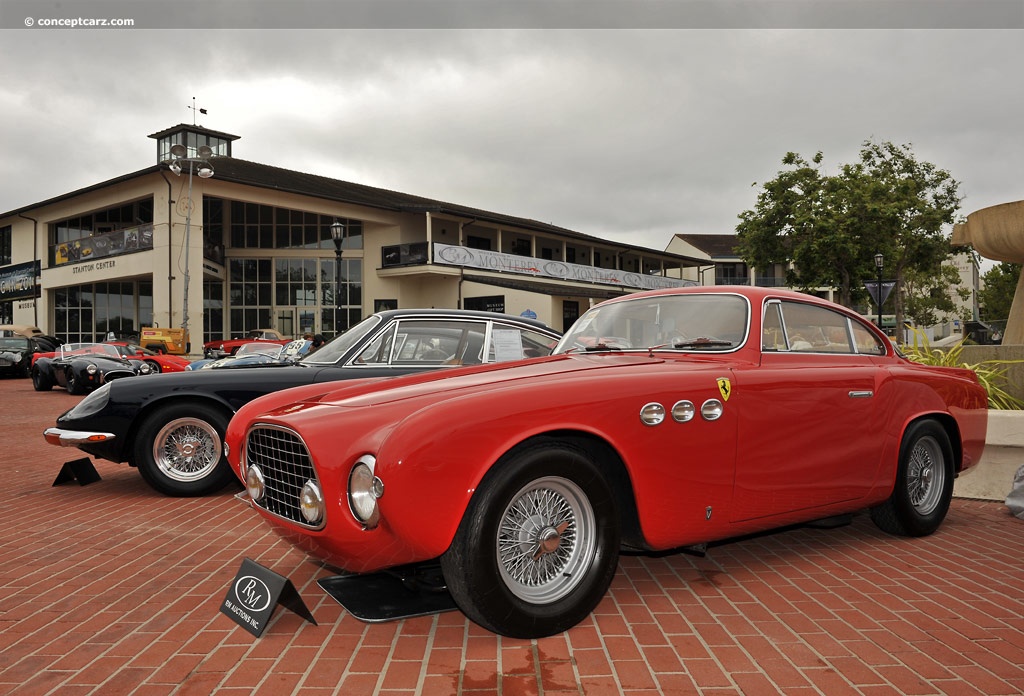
column 428, row 206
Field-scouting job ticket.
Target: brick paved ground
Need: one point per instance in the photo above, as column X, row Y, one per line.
column 113, row 589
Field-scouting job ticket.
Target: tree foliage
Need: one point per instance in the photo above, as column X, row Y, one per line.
column 995, row 298
column 928, row 295
column 829, row 227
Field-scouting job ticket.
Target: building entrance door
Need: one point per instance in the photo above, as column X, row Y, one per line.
column 296, row 322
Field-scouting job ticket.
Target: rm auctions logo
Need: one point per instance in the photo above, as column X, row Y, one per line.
column 252, row 593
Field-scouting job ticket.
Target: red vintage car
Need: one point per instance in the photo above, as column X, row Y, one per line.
column 158, row 362
column 221, row 348
column 663, row 420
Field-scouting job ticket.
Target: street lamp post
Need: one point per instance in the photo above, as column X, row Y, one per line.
column 338, row 235
column 201, row 165
column 879, row 264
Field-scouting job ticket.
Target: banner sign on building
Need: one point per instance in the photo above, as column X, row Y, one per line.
column 104, row 244
column 545, row 268
column 18, row 281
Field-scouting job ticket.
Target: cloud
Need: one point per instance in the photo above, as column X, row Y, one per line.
column 632, row 135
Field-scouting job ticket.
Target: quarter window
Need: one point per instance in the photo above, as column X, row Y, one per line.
column 806, row 328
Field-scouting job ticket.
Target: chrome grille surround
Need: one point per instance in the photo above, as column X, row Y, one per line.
column 284, row 460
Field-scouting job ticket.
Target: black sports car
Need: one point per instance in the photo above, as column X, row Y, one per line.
column 16, row 355
column 82, row 367
column 172, row 428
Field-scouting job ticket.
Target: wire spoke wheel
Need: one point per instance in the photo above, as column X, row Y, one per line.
column 187, row 449
column 923, row 485
column 925, row 475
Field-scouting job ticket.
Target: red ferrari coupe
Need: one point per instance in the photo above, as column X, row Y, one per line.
column 663, row 420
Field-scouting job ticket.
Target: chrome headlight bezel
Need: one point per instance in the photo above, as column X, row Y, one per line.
column 311, row 503
column 364, row 490
column 255, row 485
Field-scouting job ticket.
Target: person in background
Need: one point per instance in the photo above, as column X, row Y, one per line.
column 318, row 341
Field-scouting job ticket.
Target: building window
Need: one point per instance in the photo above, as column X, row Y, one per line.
column 570, row 313
column 213, row 229
column 474, row 242
column 5, row 246
column 221, row 146
column 295, row 282
column 249, row 294
column 342, row 307
column 487, row 303
column 213, row 310
column 255, row 226
column 6, row 312
column 88, row 313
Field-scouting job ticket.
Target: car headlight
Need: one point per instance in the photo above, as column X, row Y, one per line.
column 311, row 502
column 144, row 369
column 254, row 483
column 91, row 369
column 95, row 402
column 364, row 489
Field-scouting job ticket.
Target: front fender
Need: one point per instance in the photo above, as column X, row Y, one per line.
column 432, row 462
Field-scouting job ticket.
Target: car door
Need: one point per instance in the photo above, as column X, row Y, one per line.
column 809, row 430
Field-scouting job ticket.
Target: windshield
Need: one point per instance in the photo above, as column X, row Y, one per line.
column 341, row 344
column 105, row 349
column 710, row 322
column 272, row 349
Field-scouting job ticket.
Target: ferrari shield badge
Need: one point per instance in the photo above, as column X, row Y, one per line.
column 725, row 387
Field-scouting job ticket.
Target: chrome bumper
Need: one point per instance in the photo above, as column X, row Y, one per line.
column 74, row 438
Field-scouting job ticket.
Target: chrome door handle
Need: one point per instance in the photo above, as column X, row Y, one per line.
column 861, row 394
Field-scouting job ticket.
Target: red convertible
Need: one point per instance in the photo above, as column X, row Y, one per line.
column 663, row 420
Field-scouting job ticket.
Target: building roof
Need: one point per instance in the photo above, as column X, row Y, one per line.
column 248, row 173
column 714, row 245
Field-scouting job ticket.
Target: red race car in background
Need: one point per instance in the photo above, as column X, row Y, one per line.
column 663, row 420
column 158, row 362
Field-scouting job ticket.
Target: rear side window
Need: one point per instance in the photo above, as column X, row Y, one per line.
column 806, row 328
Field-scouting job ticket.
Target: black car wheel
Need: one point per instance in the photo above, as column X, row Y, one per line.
column 40, row 381
column 924, row 483
column 75, row 385
column 154, row 366
column 179, row 450
column 538, row 545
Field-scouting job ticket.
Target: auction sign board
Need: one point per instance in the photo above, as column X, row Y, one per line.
column 255, row 593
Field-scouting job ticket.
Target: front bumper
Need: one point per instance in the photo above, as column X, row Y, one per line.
column 75, row 438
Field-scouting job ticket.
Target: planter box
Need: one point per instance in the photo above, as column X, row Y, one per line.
column 992, row 478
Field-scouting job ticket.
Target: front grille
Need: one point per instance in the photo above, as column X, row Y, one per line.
column 286, row 465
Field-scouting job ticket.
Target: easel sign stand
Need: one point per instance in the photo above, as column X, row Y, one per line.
column 80, row 470
column 255, row 593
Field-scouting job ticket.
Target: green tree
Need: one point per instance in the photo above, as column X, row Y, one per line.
column 1000, row 284
column 829, row 227
column 930, row 295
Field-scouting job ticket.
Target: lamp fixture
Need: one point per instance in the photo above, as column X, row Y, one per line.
column 337, row 233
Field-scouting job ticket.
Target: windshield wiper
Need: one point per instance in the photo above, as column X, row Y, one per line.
column 702, row 343
column 600, row 346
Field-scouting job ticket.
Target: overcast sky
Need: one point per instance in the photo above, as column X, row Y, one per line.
column 631, row 135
